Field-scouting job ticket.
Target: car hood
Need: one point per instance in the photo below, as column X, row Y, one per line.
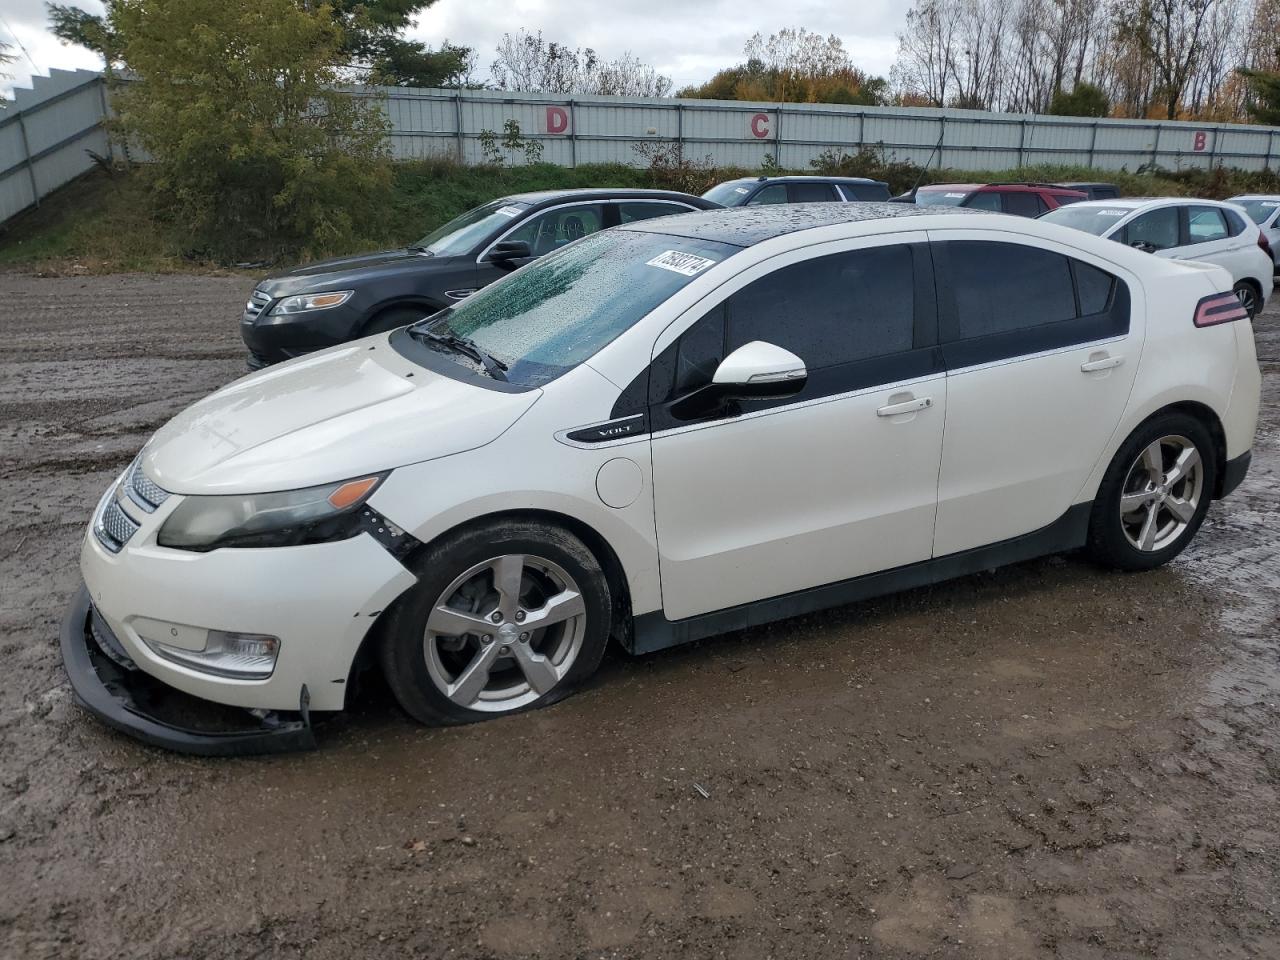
column 334, row 274
column 343, row 412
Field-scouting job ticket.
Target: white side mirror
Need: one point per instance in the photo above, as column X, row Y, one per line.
column 760, row 367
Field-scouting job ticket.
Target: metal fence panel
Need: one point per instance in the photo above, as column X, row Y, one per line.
column 46, row 131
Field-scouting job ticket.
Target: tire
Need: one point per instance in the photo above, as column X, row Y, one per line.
column 1122, row 534
column 393, row 318
column 1249, row 297
column 449, row 662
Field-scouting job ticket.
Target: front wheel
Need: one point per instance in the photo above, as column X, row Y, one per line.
column 505, row 617
column 1155, row 494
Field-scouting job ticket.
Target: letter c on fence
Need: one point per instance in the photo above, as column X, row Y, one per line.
column 1201, row 141
column 557, row 120
column 759, row 125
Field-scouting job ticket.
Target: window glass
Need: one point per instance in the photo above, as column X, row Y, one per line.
column 1023, row 204
column 1205, row 224
column 942, row 196
column 833, row 309
column 985, row 200
column 556, row 228
column 1105, row 193
column 1260, row 209
column 1092, row 219
column 1157, row 229
column 1093, row 287
column 549, row 316
column 864, row 191
column 1000, row 287
column 629, row 211
column 731, row 194
column 774, row 193
column 1235, row 222
column 811, row 193
column 469, row 230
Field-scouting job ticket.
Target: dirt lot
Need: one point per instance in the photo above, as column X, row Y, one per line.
column 1047, row 761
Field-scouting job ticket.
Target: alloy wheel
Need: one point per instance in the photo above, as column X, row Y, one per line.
column 1248, row 298
column 504, row 633
column 1161, row 493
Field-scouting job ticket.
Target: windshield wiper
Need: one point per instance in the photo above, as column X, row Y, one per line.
column 419, row 248
column 468, row 348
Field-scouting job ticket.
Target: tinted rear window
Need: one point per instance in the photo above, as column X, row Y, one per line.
column 1001, row 287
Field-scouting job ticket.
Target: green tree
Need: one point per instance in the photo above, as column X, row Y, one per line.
column 1264, row 85
column 1084, row 100
column 372, row 41
column 255, row 150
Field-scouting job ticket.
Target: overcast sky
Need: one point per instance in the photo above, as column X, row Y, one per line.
column 687, row 41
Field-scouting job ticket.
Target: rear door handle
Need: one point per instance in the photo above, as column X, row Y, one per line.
column 905, row 406
column 1103, row 362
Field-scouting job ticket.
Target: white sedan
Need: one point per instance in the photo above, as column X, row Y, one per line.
column 1264, row 210
column 1182, row 229
column 664, row 431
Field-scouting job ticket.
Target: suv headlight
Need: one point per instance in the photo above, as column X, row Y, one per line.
column 311, row 301
column 290, row 518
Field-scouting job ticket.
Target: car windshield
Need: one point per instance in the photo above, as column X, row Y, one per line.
column 548, row 317
column 1095, row 220
column 941, row 198
column 469, row 230
column 1260, row 209
column 731, row 194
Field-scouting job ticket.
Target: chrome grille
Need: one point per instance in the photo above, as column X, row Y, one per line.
column 257, row 300
column 114, row 527
column 143, row 490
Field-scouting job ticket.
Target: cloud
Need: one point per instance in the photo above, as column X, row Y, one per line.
column 24, row 24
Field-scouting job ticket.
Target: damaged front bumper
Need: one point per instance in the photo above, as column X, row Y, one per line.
column 110, row 686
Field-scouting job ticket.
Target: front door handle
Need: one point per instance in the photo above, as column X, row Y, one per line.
column 911, row 405
column 1100, row 361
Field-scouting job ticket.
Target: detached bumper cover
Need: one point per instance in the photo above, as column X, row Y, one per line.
column 108, row 686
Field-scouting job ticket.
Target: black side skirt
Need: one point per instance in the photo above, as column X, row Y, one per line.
column 107, row 684
column 653, row 631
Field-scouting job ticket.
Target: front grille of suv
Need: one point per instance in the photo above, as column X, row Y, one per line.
column 257, row 300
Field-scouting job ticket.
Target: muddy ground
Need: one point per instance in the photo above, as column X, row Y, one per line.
column 1047, row 761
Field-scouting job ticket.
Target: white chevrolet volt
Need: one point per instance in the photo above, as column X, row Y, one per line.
column 664, row 431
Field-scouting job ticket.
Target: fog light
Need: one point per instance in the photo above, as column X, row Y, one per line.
column 242, row 656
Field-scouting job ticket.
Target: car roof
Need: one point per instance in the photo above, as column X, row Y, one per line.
column 542, row 197
column 1010, row 187
column 1074, row 184
column 1135, row 203
column 804, row 178
column 1254, row 196
column 747, row 226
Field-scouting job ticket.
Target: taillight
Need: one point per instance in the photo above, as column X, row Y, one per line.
column 1219, row 308
column 1262, row 242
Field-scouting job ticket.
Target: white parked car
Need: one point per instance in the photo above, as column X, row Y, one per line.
column 1264, row 210
column 1182, row 229
column 663, row 431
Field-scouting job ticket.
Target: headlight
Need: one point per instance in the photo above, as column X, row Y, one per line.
column 311, row 301
column 293, row 517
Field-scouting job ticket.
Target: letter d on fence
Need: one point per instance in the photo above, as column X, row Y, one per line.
column 759, row 125
column 557, row 120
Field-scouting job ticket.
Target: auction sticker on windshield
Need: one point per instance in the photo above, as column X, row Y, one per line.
column 684, row 263
column 508, row 211
column 1112, row 213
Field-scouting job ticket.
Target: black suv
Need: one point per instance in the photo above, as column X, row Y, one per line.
column 333, row 301
column 750, row 191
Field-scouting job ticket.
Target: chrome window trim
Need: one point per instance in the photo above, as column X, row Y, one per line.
column 1022, row 357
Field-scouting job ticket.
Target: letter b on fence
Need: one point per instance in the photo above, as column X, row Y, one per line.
column 1201, row 141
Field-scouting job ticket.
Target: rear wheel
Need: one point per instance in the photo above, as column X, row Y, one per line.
column 1155, row 494
column 1249, row 297
column 505, row 617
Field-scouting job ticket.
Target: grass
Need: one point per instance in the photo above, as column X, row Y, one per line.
column 107, row 222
